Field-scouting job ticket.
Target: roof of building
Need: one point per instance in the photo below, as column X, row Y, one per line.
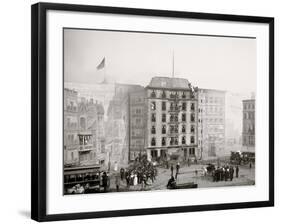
column 169, row 83
column 249, row 100
column 211, row 90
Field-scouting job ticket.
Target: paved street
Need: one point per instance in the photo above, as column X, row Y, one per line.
column 187, row 175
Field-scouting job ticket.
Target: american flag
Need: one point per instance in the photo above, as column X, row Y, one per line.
column 101, row 64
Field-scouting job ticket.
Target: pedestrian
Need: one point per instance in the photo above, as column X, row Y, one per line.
column 128, row 180
column 223, row 173
column 178, row 167
column 108, row 166
column 135, row 181
column 237, row 171
column 226, row 173
column 122, row 173
column 171, row 183
column 196, row 172
column 214, row 175
column 117, row 181
column 172, row 170
column 231, row 172
column 250, row 165
column 104, row 181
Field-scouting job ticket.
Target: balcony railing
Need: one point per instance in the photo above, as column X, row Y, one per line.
column 85, row 148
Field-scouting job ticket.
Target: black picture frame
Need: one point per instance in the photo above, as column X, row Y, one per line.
column 39, row 108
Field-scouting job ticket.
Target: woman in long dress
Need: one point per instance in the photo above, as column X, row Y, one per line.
column 135, row 179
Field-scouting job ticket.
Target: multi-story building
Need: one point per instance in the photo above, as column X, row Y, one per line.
column 84, row 137
column 137, row 122
column 124, row 124
column 102, row 92
column 211, row 123
column 248, row 132
column 172, row 119
column 71, row 155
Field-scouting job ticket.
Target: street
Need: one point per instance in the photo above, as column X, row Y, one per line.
column 187, row 174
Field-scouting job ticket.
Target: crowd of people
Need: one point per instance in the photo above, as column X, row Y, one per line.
column 141, row 172
column 225, row 173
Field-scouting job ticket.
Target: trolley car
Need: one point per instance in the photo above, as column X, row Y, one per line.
column 82, row 179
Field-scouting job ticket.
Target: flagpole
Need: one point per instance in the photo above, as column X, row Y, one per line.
column 104, row 72
column 173, row 64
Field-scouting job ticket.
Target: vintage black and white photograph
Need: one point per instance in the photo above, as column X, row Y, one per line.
column 157, row 111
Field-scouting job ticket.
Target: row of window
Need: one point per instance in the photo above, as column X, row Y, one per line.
column 71, row 106
column 249, row 106
column 249, row 128
column 173, row 106
column 249, row 115
column 173, row 141
column 214, row 99
column 173, row 94
column 249, row 140
column 173, row 129
column 173, row 117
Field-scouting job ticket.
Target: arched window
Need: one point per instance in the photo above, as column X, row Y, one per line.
column 153, row 141
column 192, row 107
column 192, row 140
column 153, row 130
column 183, row 117
column 183, row 140
column 164, row 129
column 192, row 117
column 192, row 129
column 163, row 141
column 183, row 129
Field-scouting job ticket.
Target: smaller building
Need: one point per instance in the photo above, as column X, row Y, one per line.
column 248, row 132
column 211, row 123
column 137, row 123
column 84, row 137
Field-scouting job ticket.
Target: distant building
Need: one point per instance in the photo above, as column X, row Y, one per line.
column 71, row 154
column 248, row 132
column 137, row 122
column 122, row 129
column 101, row 92
column 172, row 119
column 84, row 137
column 211, row 122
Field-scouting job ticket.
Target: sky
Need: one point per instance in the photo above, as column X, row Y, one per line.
column 224, row 63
